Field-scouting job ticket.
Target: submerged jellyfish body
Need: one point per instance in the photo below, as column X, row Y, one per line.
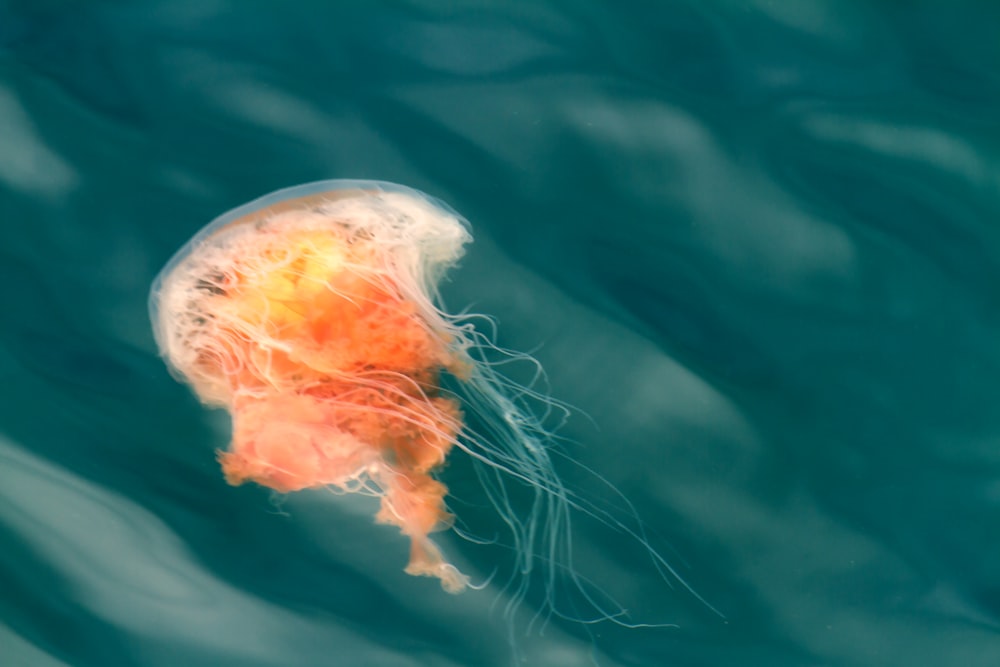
column 312, row 315
column 309, row 315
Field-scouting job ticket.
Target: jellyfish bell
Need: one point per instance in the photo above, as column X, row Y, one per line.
column 313, row 316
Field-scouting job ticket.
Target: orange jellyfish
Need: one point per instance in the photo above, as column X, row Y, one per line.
column 312, row 316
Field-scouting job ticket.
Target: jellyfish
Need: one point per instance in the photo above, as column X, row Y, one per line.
column 313, row 316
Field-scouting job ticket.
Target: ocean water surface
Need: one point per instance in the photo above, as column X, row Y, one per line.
column 755, row 244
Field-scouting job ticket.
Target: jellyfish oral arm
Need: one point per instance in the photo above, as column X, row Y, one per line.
column 415, row 503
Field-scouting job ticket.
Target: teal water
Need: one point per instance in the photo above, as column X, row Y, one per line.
column 756, row 245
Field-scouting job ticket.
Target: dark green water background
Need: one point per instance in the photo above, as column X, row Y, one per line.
column 757, row 242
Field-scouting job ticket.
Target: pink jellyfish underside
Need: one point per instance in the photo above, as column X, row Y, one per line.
column 310, row 316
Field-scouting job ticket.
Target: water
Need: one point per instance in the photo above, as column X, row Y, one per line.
column 756, row 243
